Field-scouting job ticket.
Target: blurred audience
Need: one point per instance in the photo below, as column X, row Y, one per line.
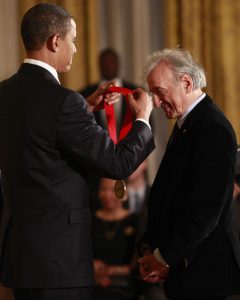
column 114, row 241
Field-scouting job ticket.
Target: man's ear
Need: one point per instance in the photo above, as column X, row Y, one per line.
column 187, row 83
column 53, row 42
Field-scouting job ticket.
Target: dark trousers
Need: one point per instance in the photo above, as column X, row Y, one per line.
column 85, row 293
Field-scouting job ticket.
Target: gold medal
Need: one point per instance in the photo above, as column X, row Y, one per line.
column 120, row 190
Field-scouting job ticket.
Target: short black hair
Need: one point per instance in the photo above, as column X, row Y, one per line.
column 43, row 21
column 108, row 51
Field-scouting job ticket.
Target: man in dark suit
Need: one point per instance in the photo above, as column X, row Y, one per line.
column 191, row 239
column 109, row 65
column 49, row 140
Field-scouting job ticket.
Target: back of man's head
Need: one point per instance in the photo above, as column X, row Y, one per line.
column 41, row 22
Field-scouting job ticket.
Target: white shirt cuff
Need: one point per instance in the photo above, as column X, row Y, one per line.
column 144, row 121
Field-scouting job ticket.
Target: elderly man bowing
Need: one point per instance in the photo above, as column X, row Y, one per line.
column 191, row 240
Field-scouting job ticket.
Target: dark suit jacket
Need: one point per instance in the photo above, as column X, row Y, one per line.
column 48, row 142
column 190, row 210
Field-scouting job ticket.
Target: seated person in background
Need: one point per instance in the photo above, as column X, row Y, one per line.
column 114, row 240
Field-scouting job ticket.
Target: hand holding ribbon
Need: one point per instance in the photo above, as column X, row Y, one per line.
column 138, row 103
column 110, row 115
column 97, row 99
column 141, row 104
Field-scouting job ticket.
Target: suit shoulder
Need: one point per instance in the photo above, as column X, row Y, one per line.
column 6, row 81
column 216, row 116
column 208, row 120
column 61, row 91
column 209, row 113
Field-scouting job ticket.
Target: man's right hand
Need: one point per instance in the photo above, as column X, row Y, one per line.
column 140, row 104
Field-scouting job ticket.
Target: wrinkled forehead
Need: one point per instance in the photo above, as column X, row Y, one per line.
column 160, row 74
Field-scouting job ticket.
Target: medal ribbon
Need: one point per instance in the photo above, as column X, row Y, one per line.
column 110, row 115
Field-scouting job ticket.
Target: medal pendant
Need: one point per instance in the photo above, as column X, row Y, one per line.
column 120, row 190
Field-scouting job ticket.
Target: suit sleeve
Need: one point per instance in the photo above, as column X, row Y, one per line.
column 210, row 188
column 88, row 145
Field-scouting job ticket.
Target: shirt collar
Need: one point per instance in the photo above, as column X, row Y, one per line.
column 181, row 120
column 43, row 65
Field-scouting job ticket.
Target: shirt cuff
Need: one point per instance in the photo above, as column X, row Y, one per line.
column 159, row 257
column 144, row 121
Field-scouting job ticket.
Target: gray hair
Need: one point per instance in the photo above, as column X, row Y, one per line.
column 181, row 62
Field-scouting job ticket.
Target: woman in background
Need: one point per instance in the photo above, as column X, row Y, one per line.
column 114, row 240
